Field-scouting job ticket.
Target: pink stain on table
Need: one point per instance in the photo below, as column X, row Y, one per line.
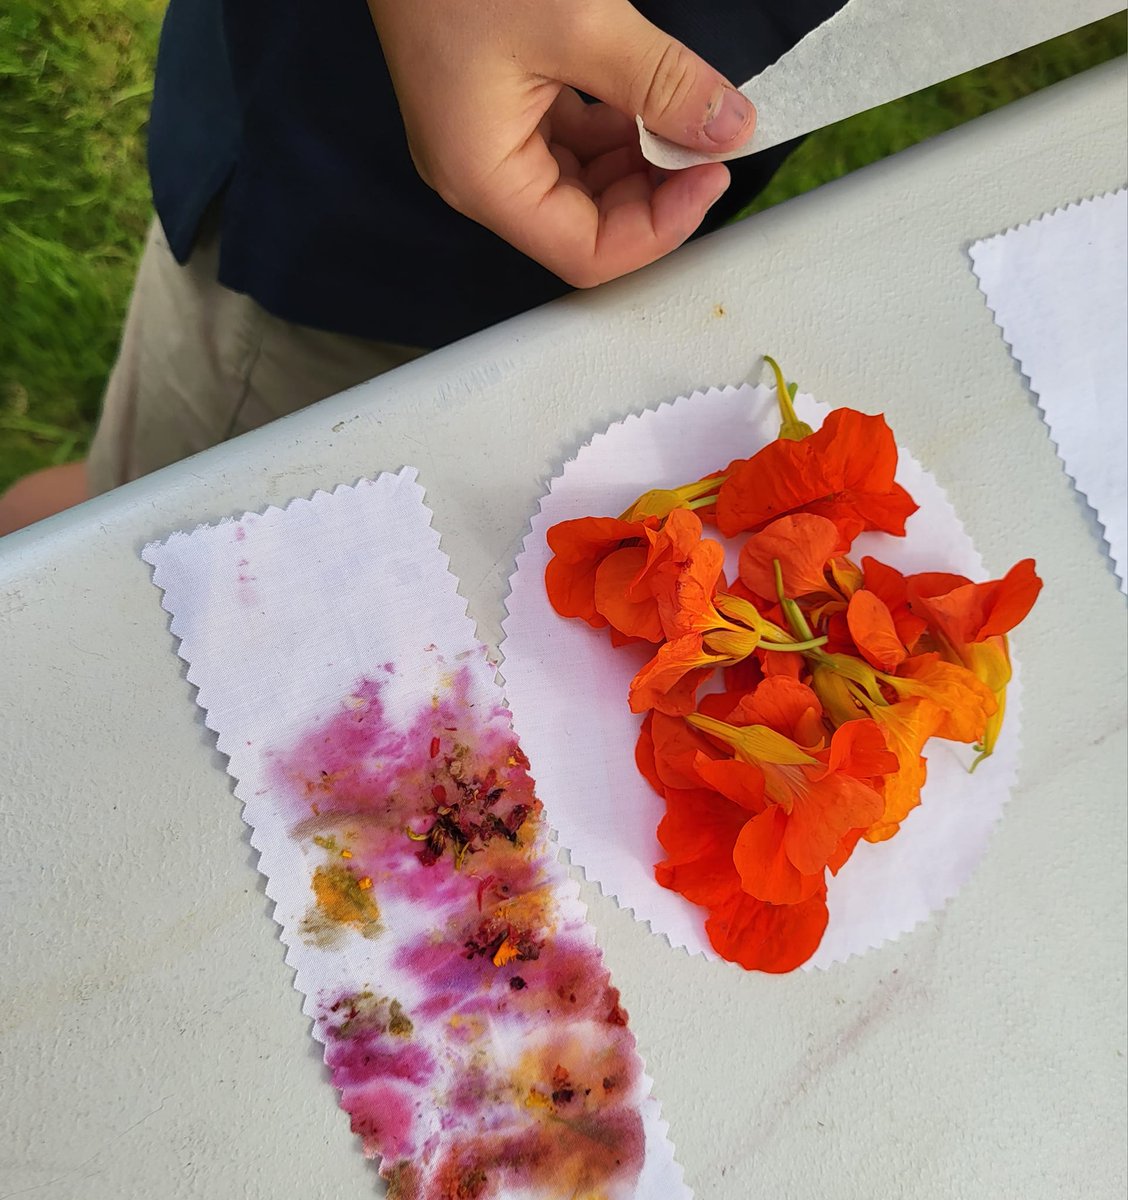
column 505, row 1066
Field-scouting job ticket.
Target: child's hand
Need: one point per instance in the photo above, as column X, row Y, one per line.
column 486, row 92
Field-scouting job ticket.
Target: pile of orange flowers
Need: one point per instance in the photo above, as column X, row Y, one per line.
column 833, row 675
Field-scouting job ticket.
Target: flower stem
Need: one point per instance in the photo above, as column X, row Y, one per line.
column 791, row 609
column 702, row 502
column 791, row 428
column 798, row 647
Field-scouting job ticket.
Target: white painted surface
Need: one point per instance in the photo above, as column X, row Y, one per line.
column 150, row 1042
column 870, row 52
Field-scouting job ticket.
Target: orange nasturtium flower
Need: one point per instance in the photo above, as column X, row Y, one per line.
column 835, row 675
column 815, row 798
column 970, row 621
column 843, row 471
column 578, row 548
column 927, row 697
column 608, row 571
column 698, row 834
column 707, row 629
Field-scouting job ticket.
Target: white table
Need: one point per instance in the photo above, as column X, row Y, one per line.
column 151, row 1043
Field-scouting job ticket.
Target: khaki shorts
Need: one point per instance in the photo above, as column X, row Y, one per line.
column 199, row 364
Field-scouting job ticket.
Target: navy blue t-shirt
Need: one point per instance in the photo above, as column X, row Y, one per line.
column 283, row 113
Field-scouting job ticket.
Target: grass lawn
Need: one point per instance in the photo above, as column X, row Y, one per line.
column 75, row 83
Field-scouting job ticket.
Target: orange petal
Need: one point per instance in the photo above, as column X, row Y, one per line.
column 698, row 833
column 965, row 702
column 767, row 937
column 738, row 781
column 871, row 626
column 687, row 607
column 745, row 675
column 680, row 533
column 780, row 478
column 964, row 612
column 578, row 548
column 890, row 585
column 843, row 471
column 781, row 663
column 1011, row 600
column 841, row 855
column 670, row 547
column 801, row 543
column 823, row 812
column 783, row 704
column 907, row 726
column 669, row 681
column 854, row 513
column 838, row 634
column 676, row 748
column 765, row 870
column 631, row 610
column 860, row 749
column 644, row 755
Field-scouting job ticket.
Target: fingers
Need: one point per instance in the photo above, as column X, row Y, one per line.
column 589, row 130
column 587, row 241
column 494, row 128
column 632, row 65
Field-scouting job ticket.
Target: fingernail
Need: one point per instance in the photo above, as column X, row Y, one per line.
column 729, row 115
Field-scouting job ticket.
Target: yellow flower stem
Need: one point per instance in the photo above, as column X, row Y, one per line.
column 791, row 428
column 702, row 502
column 791, row 609
column 660, row 502
column 753, row 743
column 861, row 696
column 853, row 669
column 798, row 647
column 747, row 614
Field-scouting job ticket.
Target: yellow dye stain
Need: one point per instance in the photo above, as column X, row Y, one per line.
column 341, row 896
column 530, row 910
column 506, row 952
column 341, row 900
column 475, row 1025
column 535, row 1099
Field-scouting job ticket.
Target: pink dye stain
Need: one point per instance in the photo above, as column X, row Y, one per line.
column 440, row 811
column 385, row 1116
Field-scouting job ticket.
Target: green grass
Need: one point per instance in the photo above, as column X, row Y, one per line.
column 75, row 83
column 868, row 136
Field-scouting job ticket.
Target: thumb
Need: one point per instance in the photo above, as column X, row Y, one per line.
column 632, row 65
